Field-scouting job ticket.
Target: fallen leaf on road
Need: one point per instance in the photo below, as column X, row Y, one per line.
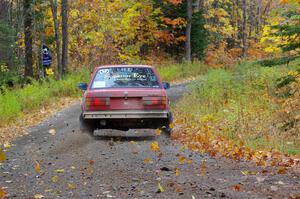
column 52, row 131
column 237, row 188
column 2, row 193
column 177, row 172
column 154, row 146
column 73, row 168
column 148, row 161
column 181, row 159
column 38, row 196
column 59, row 170
column 2, row 156
column 161, row 189
column 71, row 186
column 281, row 170
column 157, row 132
column 91, row 162
column 245, row 172
column 54, row 179
column 159, row 155
column 178, row 189
column 37, row 167
column 7, row 145
column 203, row 168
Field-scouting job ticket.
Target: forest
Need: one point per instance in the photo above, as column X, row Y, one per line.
column 242, row 57
column 234, row 70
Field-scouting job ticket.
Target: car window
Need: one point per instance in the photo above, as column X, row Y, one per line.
column 125, row 77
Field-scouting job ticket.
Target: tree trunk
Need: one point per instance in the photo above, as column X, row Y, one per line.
column 244, row 37
column 258, row 17
column 28, row 26
column 188, row 50
column 65, row 39
column 57, row 36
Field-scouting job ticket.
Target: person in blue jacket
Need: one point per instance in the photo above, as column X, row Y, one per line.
column 47, row 59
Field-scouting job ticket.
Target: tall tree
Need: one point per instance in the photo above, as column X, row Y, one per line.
column 28, row 28
column 188, row 48
column 65, row 39
column 244, row 33
column 57, row 35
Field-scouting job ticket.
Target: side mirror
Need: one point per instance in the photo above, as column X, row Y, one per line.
column 83, row 86
column 166, row 85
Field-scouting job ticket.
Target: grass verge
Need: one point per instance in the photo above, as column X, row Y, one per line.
column 17, row 102
column 176, row 72
column 240, row 105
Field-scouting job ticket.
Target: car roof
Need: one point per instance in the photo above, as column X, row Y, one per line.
column 116, row 66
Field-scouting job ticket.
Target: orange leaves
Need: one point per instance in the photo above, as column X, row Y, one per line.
column 203, row 168
column 154, row 146
column 175, row 23
column 2, row 156
column 182, row 160
column 237, row 188
column 205, row 136
column 157, row 132
column 2, row 193
column 148, row 161
column 37, row 167
column 283, row 2
column 174, row 2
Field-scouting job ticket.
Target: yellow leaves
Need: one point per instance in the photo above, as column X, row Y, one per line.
column 71, row 186
column 154, row 146
column 37, row 167
column 7, row 145
column 54, row 179
column 2, row 156
column 2, row 193
column 59, row 170
column 74, row 13
column 148, row 161
column 157, row 132
column 177, row 172
column 160, row 188
column 293, row 73
column 181, row 160
column 49, row 72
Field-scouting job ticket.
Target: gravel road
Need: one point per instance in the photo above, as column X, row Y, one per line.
column 69, row 164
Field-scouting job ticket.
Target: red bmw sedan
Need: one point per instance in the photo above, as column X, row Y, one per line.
column 125, row 97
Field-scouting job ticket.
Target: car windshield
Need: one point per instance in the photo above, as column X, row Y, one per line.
column 125, row 77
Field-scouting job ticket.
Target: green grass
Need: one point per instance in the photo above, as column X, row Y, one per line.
column 15, row 102
column 241, row 103
column 181, row 71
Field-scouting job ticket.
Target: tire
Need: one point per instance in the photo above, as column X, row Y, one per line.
column 85, row 126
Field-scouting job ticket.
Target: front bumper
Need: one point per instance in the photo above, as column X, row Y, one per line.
column 128, row 114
